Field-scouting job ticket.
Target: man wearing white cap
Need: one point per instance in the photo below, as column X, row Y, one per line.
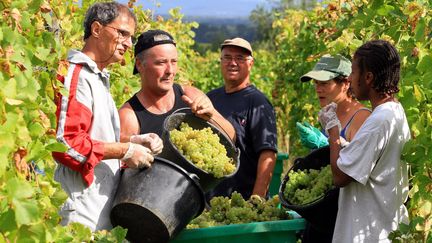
column 253, row 118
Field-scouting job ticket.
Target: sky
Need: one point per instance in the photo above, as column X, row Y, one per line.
column 210, row 8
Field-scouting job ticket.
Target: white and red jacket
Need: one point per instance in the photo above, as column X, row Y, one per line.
column 86, row 118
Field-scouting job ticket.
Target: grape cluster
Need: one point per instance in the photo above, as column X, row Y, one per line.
column 236, row 210
column 203, row 148
column 305, row 186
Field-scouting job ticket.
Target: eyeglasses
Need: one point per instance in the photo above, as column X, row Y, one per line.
column 123, row 34
column 237, row 59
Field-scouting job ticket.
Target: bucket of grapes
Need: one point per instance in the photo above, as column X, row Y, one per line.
column 199, row 147
column 308, row 189
column 156, row 203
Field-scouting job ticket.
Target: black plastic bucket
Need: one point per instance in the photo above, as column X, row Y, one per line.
column 321, row 213
column 170, row 151
column 156, row 203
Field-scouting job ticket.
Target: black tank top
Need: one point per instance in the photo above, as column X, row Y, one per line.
column 150, row 122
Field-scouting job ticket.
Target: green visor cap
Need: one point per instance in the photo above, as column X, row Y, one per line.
column 328, row 68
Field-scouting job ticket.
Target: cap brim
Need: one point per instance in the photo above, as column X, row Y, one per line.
column 239, row 46
column 319, row 75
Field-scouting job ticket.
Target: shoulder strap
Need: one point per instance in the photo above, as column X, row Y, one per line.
column 137, row 107
column 135, row 103
column 178, row 88
column 342, row 133
column 179, row 103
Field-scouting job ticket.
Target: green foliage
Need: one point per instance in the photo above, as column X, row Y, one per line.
column 209, row 75
column 35, row 36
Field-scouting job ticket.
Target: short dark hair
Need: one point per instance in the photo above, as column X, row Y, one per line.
column 104, row 13
column 382, row 59
column 342, row 79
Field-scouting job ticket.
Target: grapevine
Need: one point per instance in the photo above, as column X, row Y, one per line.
column 204, row 149
column 35, row 37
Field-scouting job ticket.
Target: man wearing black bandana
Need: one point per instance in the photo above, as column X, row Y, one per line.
column 156, row 62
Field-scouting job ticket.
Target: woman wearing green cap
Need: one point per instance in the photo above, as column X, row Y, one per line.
column 330, row 76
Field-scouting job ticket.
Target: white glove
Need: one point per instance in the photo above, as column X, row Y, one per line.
column 150, row 140
column 137, row 156
column 343, row 142
column 328, row 118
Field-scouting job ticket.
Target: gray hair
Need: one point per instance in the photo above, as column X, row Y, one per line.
column 104, row 13
column 142, row 55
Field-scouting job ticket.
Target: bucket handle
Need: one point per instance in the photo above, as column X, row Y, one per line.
column 209, row 119
column 194, row 177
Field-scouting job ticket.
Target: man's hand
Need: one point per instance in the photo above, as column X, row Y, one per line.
column 328, row 118
column 310, row 136
column 150, row 140
column 201, row 106
column 137, row 156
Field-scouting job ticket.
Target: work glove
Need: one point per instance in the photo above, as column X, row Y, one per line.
column 137, row 156
column 150, row 140
column 328, row 118
column 343, row 142
column 310, row 136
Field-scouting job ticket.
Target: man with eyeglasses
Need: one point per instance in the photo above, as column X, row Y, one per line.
column 88, row 123
column 253, row 118
column 156, row 63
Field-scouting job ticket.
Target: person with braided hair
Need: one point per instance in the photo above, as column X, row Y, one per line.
column 330, row 77
column 372, row 178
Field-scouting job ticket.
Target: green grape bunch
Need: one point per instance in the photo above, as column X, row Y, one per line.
column 237, row 210
column 306, row 186
column 203, row 148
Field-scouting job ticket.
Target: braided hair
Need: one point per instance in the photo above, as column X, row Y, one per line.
column 381, row 59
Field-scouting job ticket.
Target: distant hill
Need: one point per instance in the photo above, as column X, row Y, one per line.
column 212, row 31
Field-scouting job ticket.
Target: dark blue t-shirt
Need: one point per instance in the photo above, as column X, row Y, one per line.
column 253, row 118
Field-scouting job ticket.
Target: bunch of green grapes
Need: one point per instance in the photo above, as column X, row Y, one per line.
column 269, row 210
column 202, row 221
column 305, row 186
column 203, row 148
column 236, row 210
